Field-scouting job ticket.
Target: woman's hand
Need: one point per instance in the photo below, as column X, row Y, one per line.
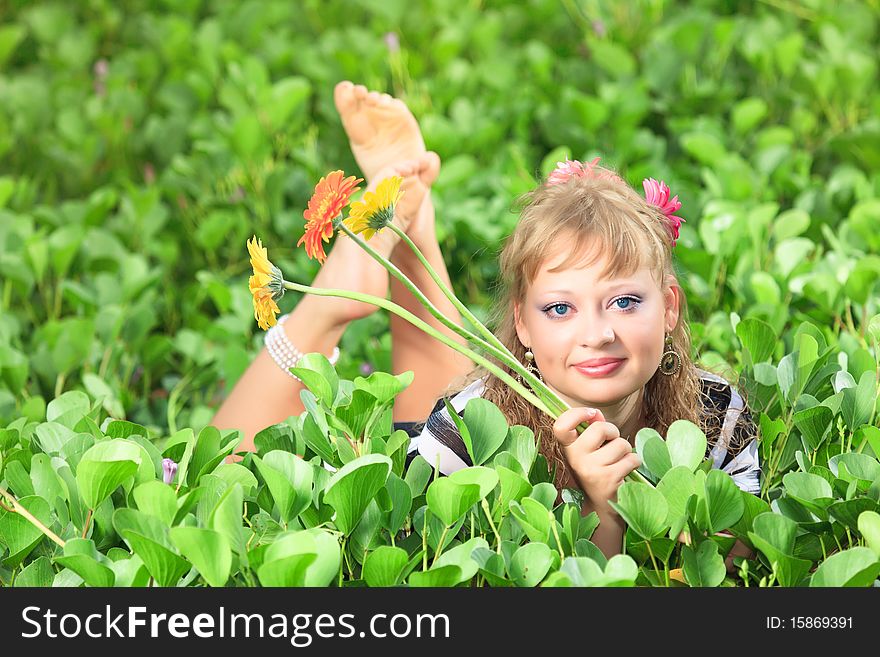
column 599, row 457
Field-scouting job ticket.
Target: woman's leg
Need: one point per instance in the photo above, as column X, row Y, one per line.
column 266, row 395
column 381, row 128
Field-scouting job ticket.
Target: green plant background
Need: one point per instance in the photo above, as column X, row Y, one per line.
column 141, row 144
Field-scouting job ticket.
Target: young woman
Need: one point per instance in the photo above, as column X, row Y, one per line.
column 590, row 301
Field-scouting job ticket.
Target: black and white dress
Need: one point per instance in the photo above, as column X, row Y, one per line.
column 438, row 440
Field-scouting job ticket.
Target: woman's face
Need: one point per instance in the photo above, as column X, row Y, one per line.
column 571, row 317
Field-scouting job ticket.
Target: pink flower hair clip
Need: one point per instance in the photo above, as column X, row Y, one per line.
column 569, row 169
column 657, row 194
column 656, row 191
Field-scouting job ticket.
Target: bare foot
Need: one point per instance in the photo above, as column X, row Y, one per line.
column 349, row 267
column 381, row 129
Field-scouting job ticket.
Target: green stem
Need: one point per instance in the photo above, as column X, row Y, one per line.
column 556, row 535
column 427, row 328
column 488, row 342
column 653, row 560
column 440, row 546
column 485, row 505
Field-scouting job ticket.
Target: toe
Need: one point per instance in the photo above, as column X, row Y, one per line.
column 385, row 100
column 429, row 167
column 343, row 96
column 360, row 91
column 373, row 97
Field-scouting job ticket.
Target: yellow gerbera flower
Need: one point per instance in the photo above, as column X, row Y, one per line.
column 371, row 214
column 266, row 285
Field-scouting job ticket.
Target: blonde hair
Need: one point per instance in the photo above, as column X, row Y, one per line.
column 633, row 234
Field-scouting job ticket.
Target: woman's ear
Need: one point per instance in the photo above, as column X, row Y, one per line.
column 521, row 330
column 672, row 298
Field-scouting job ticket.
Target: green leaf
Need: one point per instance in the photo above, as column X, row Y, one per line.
column 418, row 475
column 443, row 576
column 686, row 444
column 856, row 566
column 19, row 535
column 774, row 535
column 318, row 375
column 514, row 487
column 656, row 457
column 869, row 528
column 383, row 386
column 69, row 408
column 703, row 566
column 305, row 558
column 148, row 538
column 104, row 468
column 460, row 556
column 807, row 486
column 723, row 501
column 858, row 465
column 487, row 427
column 157, row 499
column 534, row 518
column 207, row 550
column 401, row 501
column 530, row 564
column 790, row 223
column 351, row 488
column 463, row 430
column 858, row 403
column 747, row 114
column 813, row 424
column 643, row 507
column 52, row 437
column 81, row 556
column 277, row 437
column 38, row 573
column 290, row 480
column 226, row 517
column 385, row 566
column 758, row 337
column 449, row 500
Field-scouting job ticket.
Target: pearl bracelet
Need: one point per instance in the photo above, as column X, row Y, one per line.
column 282, row 350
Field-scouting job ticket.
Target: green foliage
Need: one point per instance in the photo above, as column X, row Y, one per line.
column 134, row 164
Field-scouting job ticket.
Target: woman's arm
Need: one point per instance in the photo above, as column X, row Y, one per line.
column 608, row 536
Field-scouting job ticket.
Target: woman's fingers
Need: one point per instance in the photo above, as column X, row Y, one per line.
column 565, row 426
column 625, row 465
column 613, row 451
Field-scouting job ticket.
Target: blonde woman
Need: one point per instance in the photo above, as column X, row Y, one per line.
column 590, row 301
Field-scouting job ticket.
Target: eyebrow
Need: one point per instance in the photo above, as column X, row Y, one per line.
column 609, row 289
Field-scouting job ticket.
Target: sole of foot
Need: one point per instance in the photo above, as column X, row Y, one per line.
column 380, row 128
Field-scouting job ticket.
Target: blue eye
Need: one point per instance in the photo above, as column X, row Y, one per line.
column 560, row 308
column 630, row 306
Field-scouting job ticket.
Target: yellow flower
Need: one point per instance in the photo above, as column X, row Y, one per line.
column 376, row 210
column 266, row 285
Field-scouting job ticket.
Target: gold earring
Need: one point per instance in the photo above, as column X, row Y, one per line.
column 530, row 364
column 670, row 362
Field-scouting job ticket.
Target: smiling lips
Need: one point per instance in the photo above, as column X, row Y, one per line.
column 599, row 366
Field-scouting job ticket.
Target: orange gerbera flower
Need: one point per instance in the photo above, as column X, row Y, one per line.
column 332, row 194
column 266, row 285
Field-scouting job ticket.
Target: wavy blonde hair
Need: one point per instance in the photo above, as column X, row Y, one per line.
column 633, row 234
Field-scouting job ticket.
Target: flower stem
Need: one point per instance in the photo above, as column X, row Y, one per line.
column 550, row 397
column 490, row 344
column 427, row 328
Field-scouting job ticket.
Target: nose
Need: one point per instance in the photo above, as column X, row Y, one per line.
column 597, row 333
